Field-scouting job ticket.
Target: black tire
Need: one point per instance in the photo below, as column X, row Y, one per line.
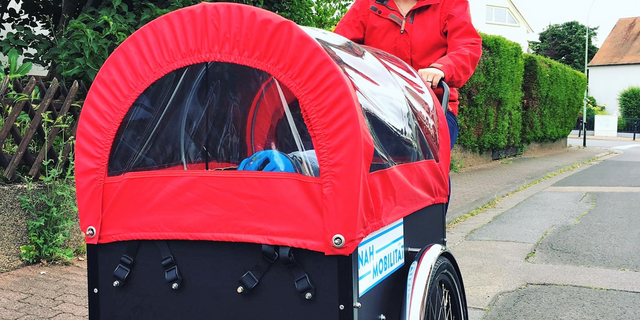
column 445, row 299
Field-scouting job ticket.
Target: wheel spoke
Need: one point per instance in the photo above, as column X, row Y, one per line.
column 443, row 302
column 446, row 303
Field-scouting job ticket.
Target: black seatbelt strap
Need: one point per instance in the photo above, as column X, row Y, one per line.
column 123, row 269
column 300, row 277
column 252, row 277
column 171, row 273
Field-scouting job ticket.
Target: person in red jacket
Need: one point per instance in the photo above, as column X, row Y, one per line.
column 436, row 37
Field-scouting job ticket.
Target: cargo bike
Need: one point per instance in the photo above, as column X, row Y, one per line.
column 231, row 164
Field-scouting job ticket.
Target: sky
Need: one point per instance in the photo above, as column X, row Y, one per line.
column 603, row 13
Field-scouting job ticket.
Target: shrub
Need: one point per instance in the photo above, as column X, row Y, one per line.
column 490, row 114
column 76, row 47
column 593, row 108
column 630, row 103
column 553, row 98
column 51, row 206
column 628, row 125
column 622, row 123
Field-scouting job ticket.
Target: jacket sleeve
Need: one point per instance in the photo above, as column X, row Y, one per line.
column 353, row 25
column 464, row 44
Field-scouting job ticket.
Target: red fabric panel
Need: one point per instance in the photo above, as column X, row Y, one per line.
column 411, row 186
column 174, row 208
column 247, row 36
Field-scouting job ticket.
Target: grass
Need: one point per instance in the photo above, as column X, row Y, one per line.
column 593, row 205
column 535, row 247
column 574, row 286
column 477, row 211
column 495, row 201
column 456, row 165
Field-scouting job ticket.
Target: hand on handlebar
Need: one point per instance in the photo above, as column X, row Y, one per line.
column 431, row 76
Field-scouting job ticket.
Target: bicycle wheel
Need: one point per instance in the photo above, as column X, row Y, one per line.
column 445, row 298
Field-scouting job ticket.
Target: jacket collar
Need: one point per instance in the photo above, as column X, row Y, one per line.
column 421, row 3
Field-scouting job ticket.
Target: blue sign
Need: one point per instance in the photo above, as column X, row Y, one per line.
column 379, row 255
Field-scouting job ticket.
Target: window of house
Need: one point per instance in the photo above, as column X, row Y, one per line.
column 501, row 15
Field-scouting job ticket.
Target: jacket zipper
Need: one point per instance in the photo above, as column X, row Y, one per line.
column 404, row 18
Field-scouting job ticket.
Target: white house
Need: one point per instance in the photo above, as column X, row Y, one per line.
column 616, row 66
column 502, row 18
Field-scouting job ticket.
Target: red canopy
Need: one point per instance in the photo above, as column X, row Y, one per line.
column 345, row 92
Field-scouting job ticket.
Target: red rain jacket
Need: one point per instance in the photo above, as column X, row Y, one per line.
column 434, row 33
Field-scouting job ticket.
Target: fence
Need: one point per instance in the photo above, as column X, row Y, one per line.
column 589, row 123
column 629, row 125
column 33, row 123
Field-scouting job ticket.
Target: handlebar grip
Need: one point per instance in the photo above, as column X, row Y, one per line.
column 445, row 94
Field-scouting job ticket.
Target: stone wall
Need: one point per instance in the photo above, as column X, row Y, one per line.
column 472, row 160
column 540, row 148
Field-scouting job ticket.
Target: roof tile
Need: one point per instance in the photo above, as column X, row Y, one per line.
column 622, row 46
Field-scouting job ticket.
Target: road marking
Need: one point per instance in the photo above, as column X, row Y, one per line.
column 629, row 146
column 593, row 189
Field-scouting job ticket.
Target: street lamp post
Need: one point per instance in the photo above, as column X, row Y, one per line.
column 586, row 57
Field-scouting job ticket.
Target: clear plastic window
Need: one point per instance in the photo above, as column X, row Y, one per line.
column 211, row 116
column 398, row 111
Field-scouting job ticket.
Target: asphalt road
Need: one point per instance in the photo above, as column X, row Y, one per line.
column 566, row 248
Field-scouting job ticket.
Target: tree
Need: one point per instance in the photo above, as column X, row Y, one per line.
column 565, row 43
column 74, row 38
column 630, row 103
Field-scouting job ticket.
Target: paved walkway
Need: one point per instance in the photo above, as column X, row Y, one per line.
column 44, row 292
column 59, row 292
column 475, row 188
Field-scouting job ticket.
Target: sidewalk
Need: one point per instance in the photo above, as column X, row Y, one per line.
column 621, row 137
column 476, row 187
column 60, row 292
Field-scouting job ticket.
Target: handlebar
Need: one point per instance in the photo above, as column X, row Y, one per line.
column 445, row 94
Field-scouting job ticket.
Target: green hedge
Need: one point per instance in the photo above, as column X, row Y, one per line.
column 553, row 98
column 490, row 114
column 630, row 103
column 514, row 99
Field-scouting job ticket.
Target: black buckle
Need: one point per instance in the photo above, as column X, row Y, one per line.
column 122, row 270
column 126, row 260
column 303, row 284
column 251, row 278
column 287, row 256
column 248, row 281
column 271, row 259
column 120, row 273
column 168, row 262
column 171, row 273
